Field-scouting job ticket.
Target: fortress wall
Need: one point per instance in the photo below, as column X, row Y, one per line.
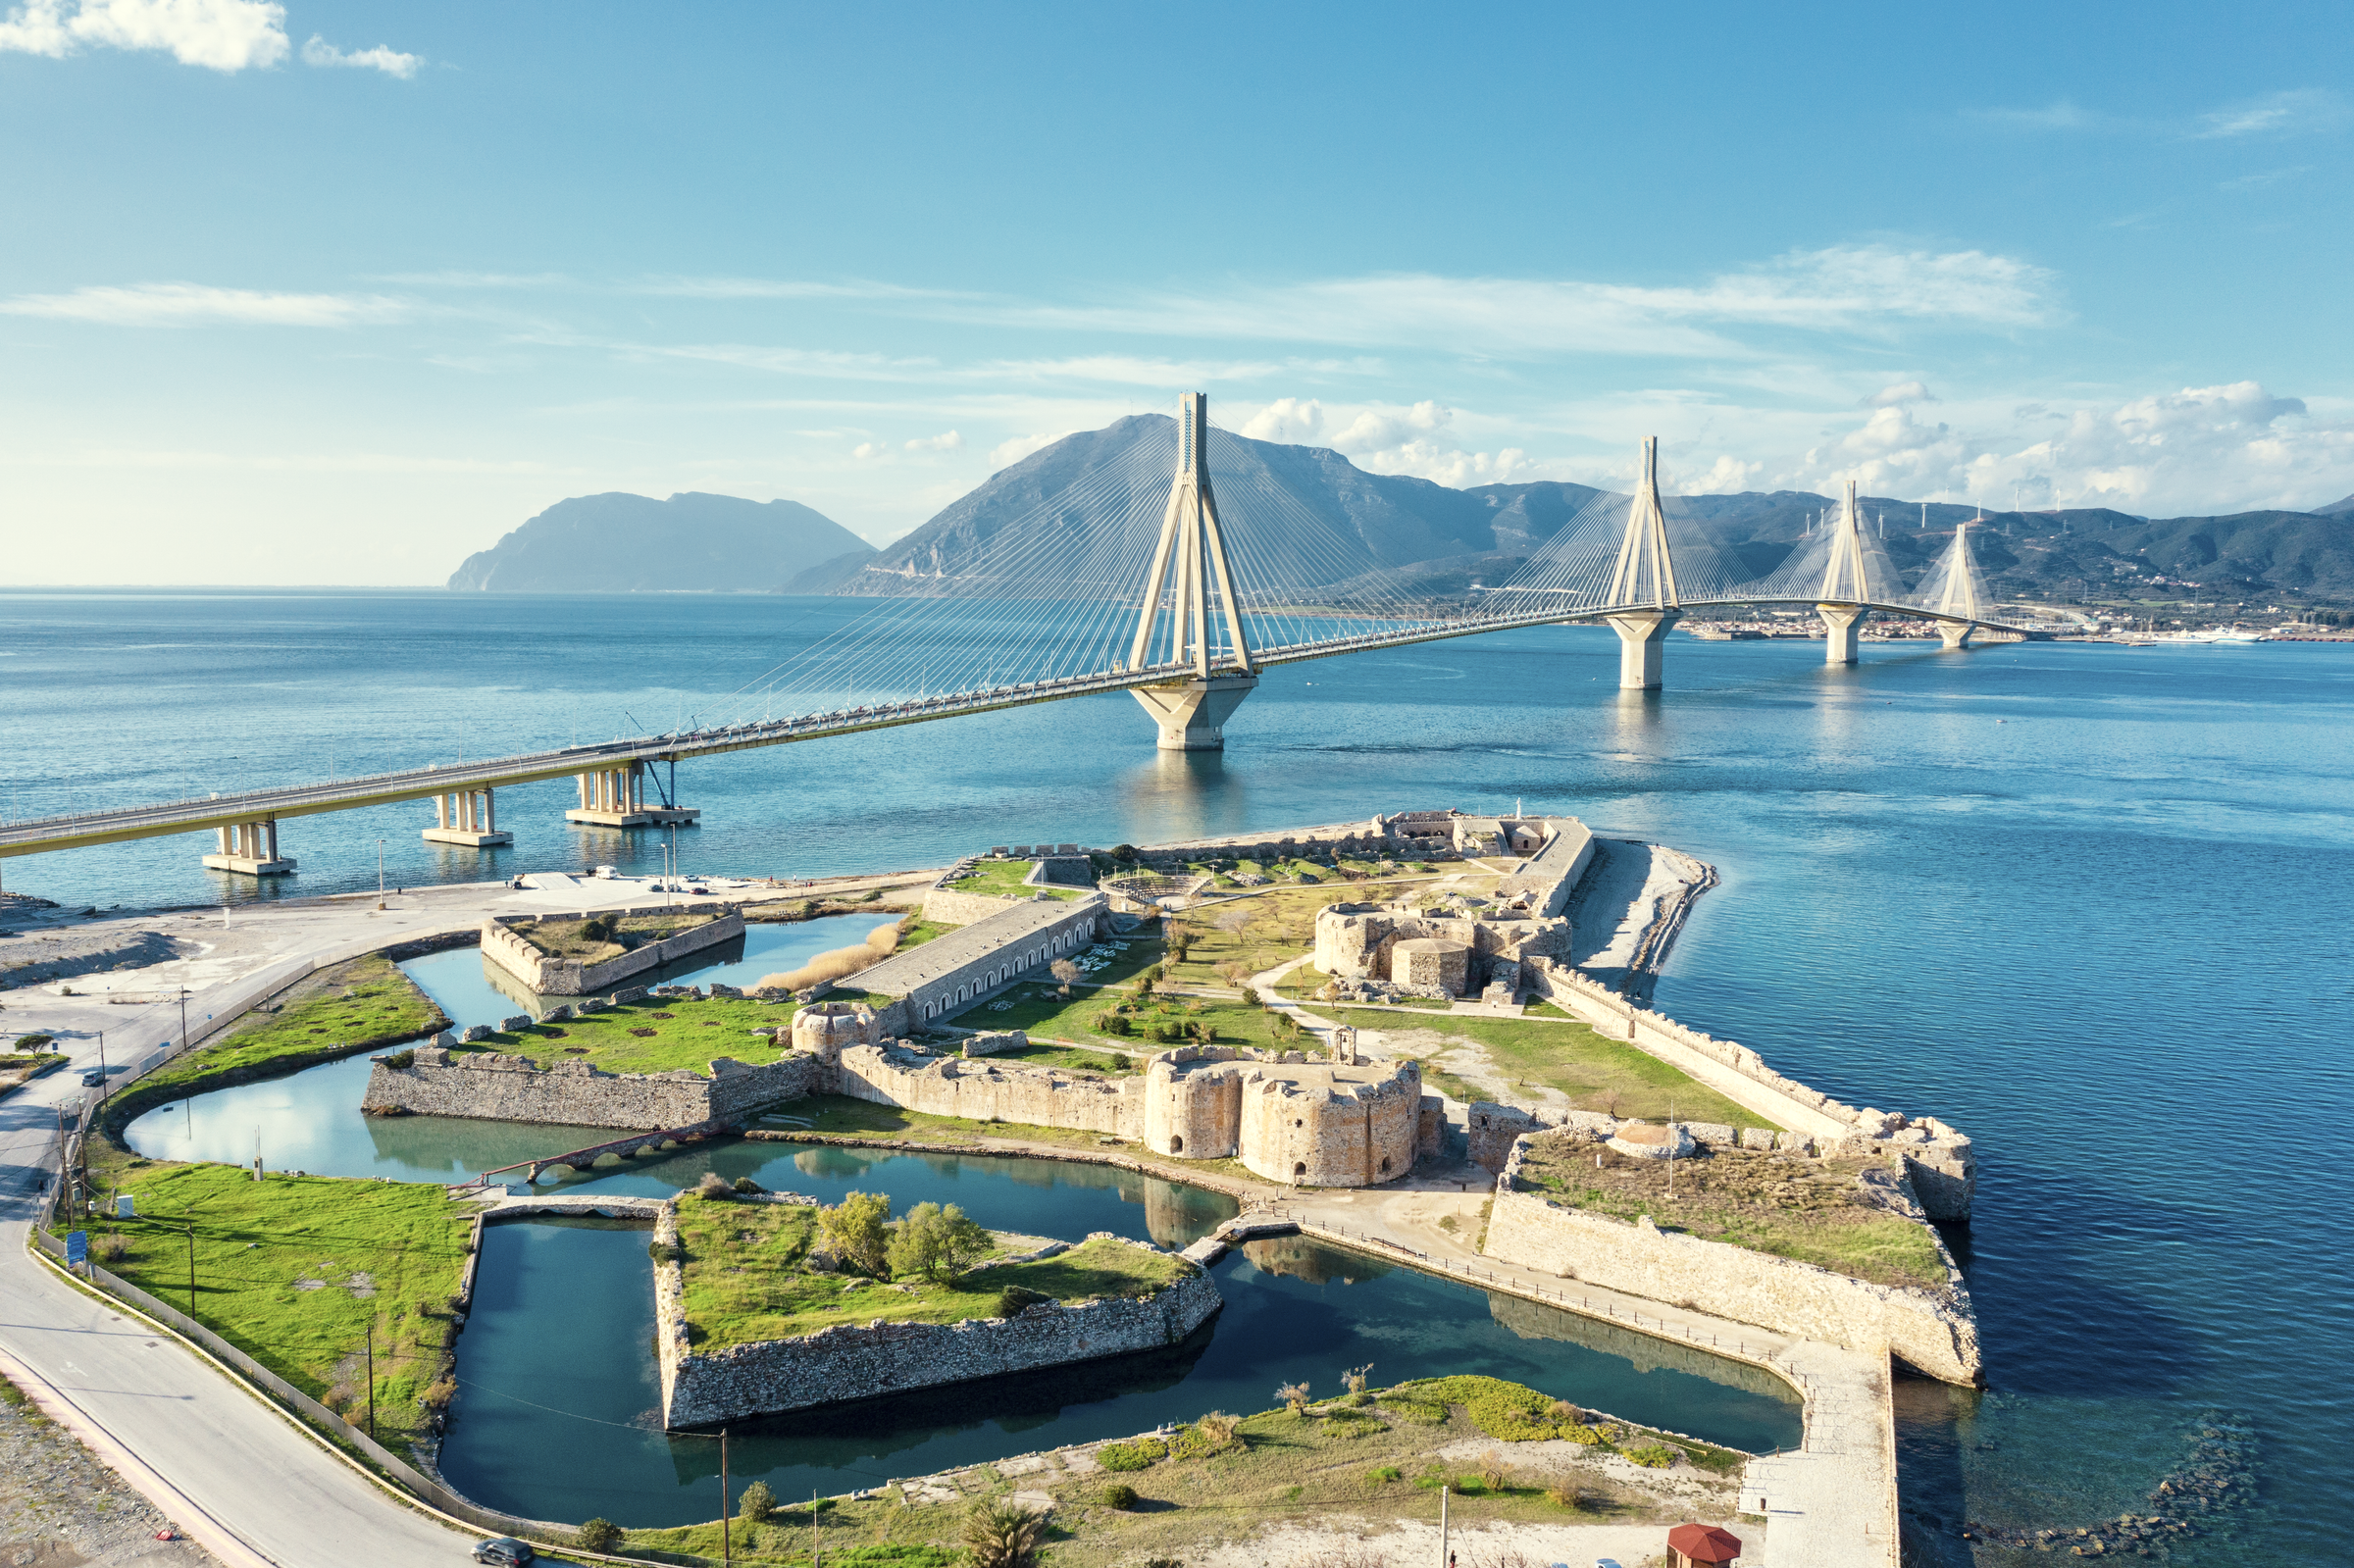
column 1195, row 1115
column 548, row 976
column 498, row 1088
column 1934, row 1331
column 952, row 908
column 984, row 1092
column 776, row 1374
column 1939, row 1159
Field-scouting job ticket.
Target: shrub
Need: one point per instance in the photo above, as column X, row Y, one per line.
column 1214, row 1432
column 406, row 1058
column 714, row 1185
column 1355, row 1378
column 665, row 1252
column 1383, row 1475
column 749, row 1188
column 1293, row 1396
column 1491, row 1471
column 438, row 1393
column 597, row 931
column 598, row 1534
column 1563, row 1410
column 1014, row 1299
column 1167, row 1033
column 1119, row 1495
column 111, row 1247
column 1509, row 1411
column 938, row 1243
column 1140, row 1455
column 1114, row 1021
column 1651, row 1455
column 853, row 1230
column 1003, row 1535
column 756, row 1505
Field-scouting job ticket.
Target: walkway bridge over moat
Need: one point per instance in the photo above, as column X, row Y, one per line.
column 1180, row 592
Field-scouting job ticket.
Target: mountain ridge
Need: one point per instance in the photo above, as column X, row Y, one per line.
column 694, row 540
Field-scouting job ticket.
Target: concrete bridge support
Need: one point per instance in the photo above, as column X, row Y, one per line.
column 467, row 818
column 1956, row 635
column 1840, row 623
column 614, row 798
column 1641, row 639
column 250, row 849
column 1192, row 714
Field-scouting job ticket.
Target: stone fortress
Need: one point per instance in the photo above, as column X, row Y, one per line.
column 1461, row 945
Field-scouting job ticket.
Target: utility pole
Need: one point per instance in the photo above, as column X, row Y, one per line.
column 726, row 1549
column 1445, row 1556
column 183, row 1018
column 371, row 1380
column 379, row 874
column 191, row 1268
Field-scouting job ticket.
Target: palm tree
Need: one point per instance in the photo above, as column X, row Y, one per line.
column 1004, row 1534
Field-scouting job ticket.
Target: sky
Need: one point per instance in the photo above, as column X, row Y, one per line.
column 340, row 293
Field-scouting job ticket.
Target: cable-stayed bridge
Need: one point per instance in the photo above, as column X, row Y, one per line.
column 1179, row 590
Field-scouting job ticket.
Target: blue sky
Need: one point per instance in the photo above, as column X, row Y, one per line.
column 339, row 293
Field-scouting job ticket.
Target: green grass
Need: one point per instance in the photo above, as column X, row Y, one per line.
column 563, row 937
column 19, row 1068
column 1595, row 1072
column 363, row 1003
column 915, row 931
column 1267, row 927
column 744, row 1279
column 681, row 1033
column 1809, row 1210
column 1070, row 1059
column 259, row 1243
column 1037, row 1010
column 1002, row 878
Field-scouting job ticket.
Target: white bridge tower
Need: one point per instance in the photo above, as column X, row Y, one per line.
column 1846, row 589
column 1190, row 615
column 1960, row 596
column 1645, row 577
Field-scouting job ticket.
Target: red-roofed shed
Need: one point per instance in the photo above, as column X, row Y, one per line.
column 1701, row 1547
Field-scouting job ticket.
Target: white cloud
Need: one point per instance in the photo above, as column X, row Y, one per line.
column 1838, row 288
column 2226, row 448
column 1295, row 422
column 944, row 441
column 221, row 35
column 870, row 449
column 1898, row 396
column 1728, row 476
column 1387, row 439
column 198, row 305
column 1014, row 448
column 2306, row 108
column 2058, row 114
column 391, row 62
column 2257, row 181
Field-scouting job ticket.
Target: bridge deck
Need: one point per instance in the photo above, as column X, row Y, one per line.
column 39, row 834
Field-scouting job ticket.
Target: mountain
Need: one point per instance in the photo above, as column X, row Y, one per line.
column 691, row 541
column 1340, row 522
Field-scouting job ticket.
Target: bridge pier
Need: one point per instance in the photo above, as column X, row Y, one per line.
column 1192, row 714
column 467, row 818
column 1840, row 623
column 1642, row 638
column 1956, row 635
column 614, row 798
column 250, row 849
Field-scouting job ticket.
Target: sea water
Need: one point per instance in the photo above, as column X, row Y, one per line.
column 2087, row 902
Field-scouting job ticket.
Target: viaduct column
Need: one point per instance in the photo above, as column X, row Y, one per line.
column 614, row 798
column 250, row 849
column 467, row 817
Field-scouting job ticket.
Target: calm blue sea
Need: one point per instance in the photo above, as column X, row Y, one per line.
column 2090, row 904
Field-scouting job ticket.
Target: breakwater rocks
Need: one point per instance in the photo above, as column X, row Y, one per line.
column 885, row 1357
column 2217, row 1474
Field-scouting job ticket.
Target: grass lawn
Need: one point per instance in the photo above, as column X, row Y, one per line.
column 655, row 1034
column 1040, row 1011
column 1337, row 1465
column 574, row 938
column 294, row 1271
column 367, row 1001
column 1595, row 1072
column 1037, row 1054
column 1813, row 1211
column 744, row 1279
column 1002, row 878
column 915, row 931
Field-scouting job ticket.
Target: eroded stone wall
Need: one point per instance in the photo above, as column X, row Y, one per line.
column 548, row 976
column 984, row 1090
column 1934, row 1331
column 498, row 1088
column 850, row 1362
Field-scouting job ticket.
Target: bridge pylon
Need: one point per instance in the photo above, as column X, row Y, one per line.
column 1960, row 595
column 1845, row 586
column 1644, row 576
column 1189, row 602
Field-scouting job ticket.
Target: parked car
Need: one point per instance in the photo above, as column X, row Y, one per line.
column 92, row 1079
column 505, row 1550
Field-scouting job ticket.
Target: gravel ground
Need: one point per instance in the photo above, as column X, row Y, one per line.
column 60, row 1507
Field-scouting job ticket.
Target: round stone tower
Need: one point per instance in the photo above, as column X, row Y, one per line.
column 1192, row 1108
column 829, row 1028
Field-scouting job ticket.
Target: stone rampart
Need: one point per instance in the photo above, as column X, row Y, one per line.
column 948, row 907
column 885, row 1357
column 1939, row 1159
column 1934, row 1331
column 546, row 975
column 494, row 1086
column 987, row 1092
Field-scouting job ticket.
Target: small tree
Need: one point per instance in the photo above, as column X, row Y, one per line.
column 1355, row 1378
column 1293, row 1396
column 938, row 1243
column 1066, row 973
column 1114, row 1021
column 600, row 1534
column 853, row 1231
column 757, row 1504
column 1004, row 1534
column 1179, row 942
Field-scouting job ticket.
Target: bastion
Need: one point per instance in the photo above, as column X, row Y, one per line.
column 1316, row 1124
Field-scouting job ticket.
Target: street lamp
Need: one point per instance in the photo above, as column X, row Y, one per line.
column 379, row 874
